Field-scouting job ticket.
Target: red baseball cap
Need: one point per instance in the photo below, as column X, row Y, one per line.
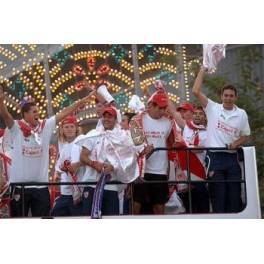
column 71, row 119
column 160, row 99
column 186, row 106
column 110, row 110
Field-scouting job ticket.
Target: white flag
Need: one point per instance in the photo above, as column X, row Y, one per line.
column 212, row 54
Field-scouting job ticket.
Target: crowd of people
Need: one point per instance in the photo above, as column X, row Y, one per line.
column 124, row 147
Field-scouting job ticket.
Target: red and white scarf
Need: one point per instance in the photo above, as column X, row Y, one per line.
column 28, row 130
column 196, row 129
column 197, row 170
column 76, row 190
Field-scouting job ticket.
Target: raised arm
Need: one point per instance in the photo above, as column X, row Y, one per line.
column 197, row 88
column 176, row 115
column 68, row 110
column 8, row 119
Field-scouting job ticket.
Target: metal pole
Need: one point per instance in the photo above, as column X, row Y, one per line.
column 189, row 181
column 47, row 83
column 136, row 70
column 180, row 73
column 23, row 200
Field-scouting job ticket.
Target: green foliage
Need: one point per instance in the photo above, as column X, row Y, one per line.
column 252, row 99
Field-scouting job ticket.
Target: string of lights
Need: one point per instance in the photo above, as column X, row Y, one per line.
column 155, row 62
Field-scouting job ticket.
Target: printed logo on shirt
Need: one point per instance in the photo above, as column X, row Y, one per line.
column 32, row 151
column 154, row 134
column 227, row 129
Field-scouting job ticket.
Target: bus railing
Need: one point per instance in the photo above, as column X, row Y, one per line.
column 189, row 181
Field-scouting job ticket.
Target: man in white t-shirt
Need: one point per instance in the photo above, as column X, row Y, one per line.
column 227, row 126
column 157, row 129
column 30, row 155
column 100, row 154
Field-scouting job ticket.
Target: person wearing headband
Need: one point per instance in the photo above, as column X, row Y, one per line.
column 68, row 169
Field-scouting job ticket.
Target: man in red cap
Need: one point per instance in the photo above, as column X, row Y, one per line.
column 186, row 110
column 99, row 155
column 156, row 129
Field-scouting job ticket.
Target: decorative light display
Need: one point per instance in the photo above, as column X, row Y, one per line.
column 61, row 79
column 32, row 46
column 126, row 65
column 166, row 51
column 185, row 71
column 7, row 53
column 61, row 57
column 2, row 65
column 150, row 52
column 22, row 50
column 55, row 70
column 165, row 75
column 93, row 77
column 53, row 154
column 91, row 53
column 155, row 62
column 18, row 87
column 118, row 52
column 27, row 79
column 121, row 99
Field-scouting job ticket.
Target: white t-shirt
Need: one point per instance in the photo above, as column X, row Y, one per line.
column 71, row 152
column 189, row 136
column 224, row 127
column 30, row 155
column 90, row 173
column 157, row 132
